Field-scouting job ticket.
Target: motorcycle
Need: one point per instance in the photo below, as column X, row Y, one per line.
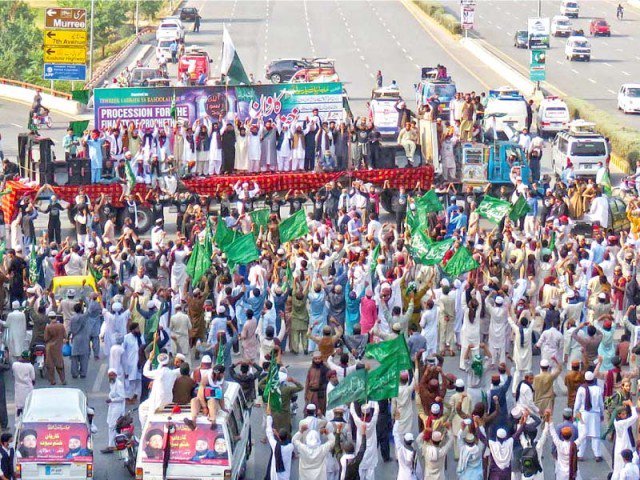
column 127, row 442
column 38, row 353
column 40, row 120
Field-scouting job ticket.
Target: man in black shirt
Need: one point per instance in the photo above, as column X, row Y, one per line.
column 7, row 454
column 17, row 275
column 54, row 209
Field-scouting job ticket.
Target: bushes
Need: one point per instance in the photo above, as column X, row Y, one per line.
column 436, row 11
column 625, row 141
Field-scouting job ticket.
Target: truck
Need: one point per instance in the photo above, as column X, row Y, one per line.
column 194, row 62
column 431, row 85
column 383, row 112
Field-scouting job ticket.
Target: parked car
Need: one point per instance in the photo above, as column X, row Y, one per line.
column 561, row 26
column 170, row 29
column 629, row 98
column 188, row 14
column 282, row 70
column 599, row 26
column 163, row 48
column 521, row 39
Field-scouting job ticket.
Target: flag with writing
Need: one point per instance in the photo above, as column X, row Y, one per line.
column 260, row 217
column 462, row 261
column 435, row 251
column 271, row 394
column 416, row 220
column 352, row 388
column 33, row 264
column 243, row 250
column 384, row 382
column 519, row 209
column 395, row 350
column 151, row 326
column 493, row 209
column 293, row 227
column 224, row 236
column 605, row 183
column 430, row 202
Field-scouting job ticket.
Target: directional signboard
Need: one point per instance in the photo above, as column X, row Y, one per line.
column 65, row 38
column 68, row 18
column 65, row 44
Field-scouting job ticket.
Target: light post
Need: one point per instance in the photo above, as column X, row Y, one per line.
column 137, row 10
column 91, row 42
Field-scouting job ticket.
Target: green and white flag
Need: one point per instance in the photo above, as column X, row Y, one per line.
column 605, row 183
column 174, row 108
column 461, row 262
column 243, row 250
column 230, row 65
column 493, row 209
column 519, row 209
column 131, row 178
column 373, row 258
column 384, row 382
column 271, row 394
column 33, row 264
column 395, row 351
column 260, row 217
column 430, row 202
column 353, row 388
column 293, row 227
column 224, row 236
column 427, row 252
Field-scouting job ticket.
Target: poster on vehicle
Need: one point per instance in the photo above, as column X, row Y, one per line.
column 538, row 30
column 538, row 65
column 54, row 442
column 150, row 106
column 467, row 16
column 200, row 446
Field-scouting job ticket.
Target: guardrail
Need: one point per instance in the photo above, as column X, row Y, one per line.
column 31, row 86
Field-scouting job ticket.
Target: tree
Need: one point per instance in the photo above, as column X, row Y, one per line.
column 21, row 40
column 149, row 9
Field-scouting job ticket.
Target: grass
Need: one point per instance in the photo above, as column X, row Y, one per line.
column 436, row 11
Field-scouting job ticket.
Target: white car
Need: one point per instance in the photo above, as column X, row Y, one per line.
column 170, row 29
column 561, row 26
column 570, row 8
column 629, row 98
column 163, row 49
column 577, row 47
column 552, row 116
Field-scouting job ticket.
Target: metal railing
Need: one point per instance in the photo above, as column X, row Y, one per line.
column 31, row 86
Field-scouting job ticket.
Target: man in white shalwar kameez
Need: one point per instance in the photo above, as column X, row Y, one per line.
column 403, row 406
column 116, row 354
column 434, row 453
column 116, row 403
column 179, row 326
column 115, row 322
column 313, row 454
column 24, row 378
column 16, row 324
column 405, row 454
column 370, row 461
column 563, row 449
column 522, row 352
column 133, row 341
column 162, row 390
column 498, row 314
column 590, row 416
column 286, row 452
column 623, row 440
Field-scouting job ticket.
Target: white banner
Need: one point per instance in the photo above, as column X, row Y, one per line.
column 467, row 16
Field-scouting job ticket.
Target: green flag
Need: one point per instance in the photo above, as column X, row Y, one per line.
column 384, row 382
column 193, row 260
column 430, row 202
column 3, row 248
column 427, row 252
column 493, row 209
column 373, row 259
column 131, row 178
column 416, row 219
column 605, row 183
column 224, row 235
column 519, row 209
column 271, row 393
column 552, row 242
column 243, row 250
column 151, row 326
column 352, row 388
column 174, row 109
column 33, row 264
column 79, row 127
column 461, row 262
column 81, row 96
column 220, row 355
column 289, row 276
column 293, row 227
column 94, row 272
column 260, row 217
column 154, row 355
column 395, row 350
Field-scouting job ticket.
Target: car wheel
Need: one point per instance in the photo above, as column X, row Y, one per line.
column 275, row 78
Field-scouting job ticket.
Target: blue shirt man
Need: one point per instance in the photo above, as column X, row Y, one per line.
column 95, row 144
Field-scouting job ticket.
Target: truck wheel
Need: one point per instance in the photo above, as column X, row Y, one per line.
column 145, row 220
column 389, row 200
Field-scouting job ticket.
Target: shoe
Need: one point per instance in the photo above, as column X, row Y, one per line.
column 107, row 450
column 64, row 383
column 190, row 423
column 599, row 459
column 74, row 376
column 83, row 376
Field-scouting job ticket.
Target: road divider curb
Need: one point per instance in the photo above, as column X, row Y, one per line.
column 25, row 95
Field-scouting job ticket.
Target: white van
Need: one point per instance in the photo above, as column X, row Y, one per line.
column 577, row 47
column 509, row 107
column 582, row 146
column 553, row 116
column 629, row 98
column 54, row 436
column 570, row 8
column 200, row 454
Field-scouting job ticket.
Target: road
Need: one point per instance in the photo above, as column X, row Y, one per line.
column 362, row 37
column 615, row 60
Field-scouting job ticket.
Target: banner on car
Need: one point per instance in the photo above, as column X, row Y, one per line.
column 149, row 107
column 54, row 442
column 538, row 30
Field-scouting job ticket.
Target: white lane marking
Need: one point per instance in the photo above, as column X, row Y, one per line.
column 637, row 58
column 498, row 27
column 366, row 65
column 627, row 74
column 607, row 64
column 508, row 34
column 618, row 50
column 574, row 71
column 362, row 57
column 605, row 43
column 611, row 91
column 410, row 58
column 16, row 125
column 592, row 80
column 97, row 383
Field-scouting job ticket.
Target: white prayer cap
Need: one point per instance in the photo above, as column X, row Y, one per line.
column 245, row 184
column 313, row 439
column 457, row 283
column 588, row 376
column 459, row 383
column 544, row 363
column 111, row 370
column 366, row 407
column 15, row 304
column 501, row 433
column 435, row 408
column 206, row 359
column 31, row 290
column 485, row 288
column 436, row 436
column 71, row 293
column 180, row 356
column 499, row 300
column 516, row 412
column 280, row 251
column 51, row 314
column 571, row 294
column 220, row 309
column 113, row 249
column 91, row 245
column 408, row 437
column 163, row 359
column 151, row 304
column 282, row 377
column 311, row 407
column 444, row 282
column 602, row 295
column 396, row 327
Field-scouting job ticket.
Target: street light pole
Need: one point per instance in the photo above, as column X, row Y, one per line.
column 137, row 9
column 91, row 42
column 539, row 8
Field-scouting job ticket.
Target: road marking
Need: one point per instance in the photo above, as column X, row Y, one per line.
column 97, row 383
column 498, row 27
column 16, row 125
column 489, row 22
column 410, row 58
column 592, row 80
column 618, row 50
column 366, row 65
column 607, row 64
column 637, row 58
column 627, row 74
column 605, row 43
column 574, row 71
column 362, row 57
column 611, row 91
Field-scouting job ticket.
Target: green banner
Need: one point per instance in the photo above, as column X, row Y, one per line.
column 493, row 209
column 352, row 388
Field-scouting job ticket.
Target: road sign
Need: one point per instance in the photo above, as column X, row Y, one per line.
column 65, row 38
column 54, row 71
column 66, row 18
column 538, row 65
column 467, row 15
column 65, row 55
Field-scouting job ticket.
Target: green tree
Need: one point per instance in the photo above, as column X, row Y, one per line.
column 149, row 9
column 21, row 52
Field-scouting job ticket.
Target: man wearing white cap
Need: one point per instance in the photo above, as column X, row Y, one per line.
column 459, row 401
column 434, row 453
column 498, row 313
column 16, row 324
column 162, row 389
column 116, row 402
column 115, row 321
column 589, row 409
column 367, row 422
column 313, row 453
column 179, row 326
column 133, row 342
column 501, row 449
column 404, row 453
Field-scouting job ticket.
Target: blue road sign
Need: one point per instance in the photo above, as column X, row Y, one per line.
column 62, row 71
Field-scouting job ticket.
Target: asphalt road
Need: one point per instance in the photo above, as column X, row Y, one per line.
column 615, row 60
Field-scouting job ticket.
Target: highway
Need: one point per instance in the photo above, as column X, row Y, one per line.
column 615, row 60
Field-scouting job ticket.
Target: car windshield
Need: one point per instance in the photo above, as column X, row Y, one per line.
column 602, row 23
column 581, row 44
column 80, row 291
column 165, row 43
column 522, row 34
column 563, row 22
column 189, row 10
column 587, row 148
column 572, row 5
column 633, row 92
column 443, row 90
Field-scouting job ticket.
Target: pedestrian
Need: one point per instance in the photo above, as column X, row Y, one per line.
column 24, row 377
column 7, row 454
column 196, row 23
column 281, row 451
column 80, row 349
column 54, row 336
column 162, row 390
column 116, row 402
column 133, row 349
column 313, row 453
column 16, row 325
column 366, row 428
column 589, row 407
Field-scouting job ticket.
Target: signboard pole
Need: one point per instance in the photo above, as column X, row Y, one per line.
column 91, row 43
